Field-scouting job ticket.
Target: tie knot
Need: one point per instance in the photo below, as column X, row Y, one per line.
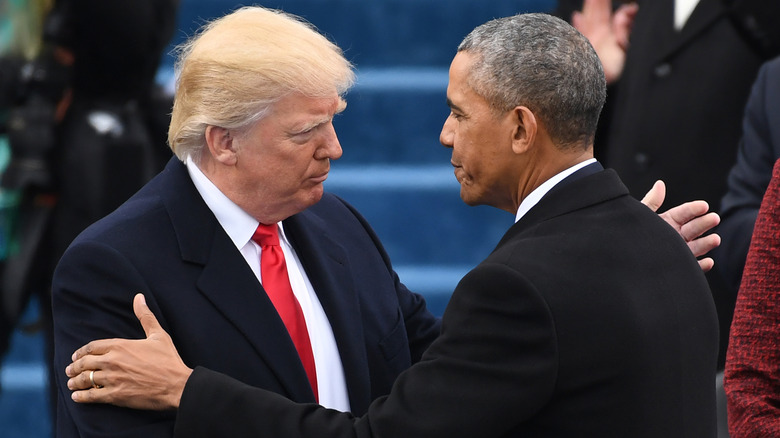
column 266, row 235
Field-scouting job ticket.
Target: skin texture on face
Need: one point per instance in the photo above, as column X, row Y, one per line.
column 481, row 142
column 276, row 168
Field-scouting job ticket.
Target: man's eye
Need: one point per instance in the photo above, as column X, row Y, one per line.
column 305, row 132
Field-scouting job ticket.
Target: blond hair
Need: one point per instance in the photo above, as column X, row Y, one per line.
column 233, row 71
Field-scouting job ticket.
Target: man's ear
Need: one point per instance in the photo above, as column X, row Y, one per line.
column 221, row 144
column 525, row 129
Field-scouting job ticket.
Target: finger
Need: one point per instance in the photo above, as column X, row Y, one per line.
column 82, row 380
column 623, row 21
column 577, row 20
column 706, row 264
column 655, row 197
column 631, row 9
column 703, row 245
column 145, row 316
column 95, row 348
column 600, row 11
column 79, row 366
column 682, row 214
column 699, row 226
column 91, row 395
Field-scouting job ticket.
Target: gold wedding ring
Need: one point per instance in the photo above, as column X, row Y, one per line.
column 92, row 380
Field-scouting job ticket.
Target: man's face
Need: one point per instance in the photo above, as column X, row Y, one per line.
column 481, row 141
column 282, row 161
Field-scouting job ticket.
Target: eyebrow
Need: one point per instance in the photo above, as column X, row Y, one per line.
column 453, row 106
column 342, row 105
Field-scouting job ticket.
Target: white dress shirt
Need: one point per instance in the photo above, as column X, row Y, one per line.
column 682, row 11
column 536, row 195
column 240, row 226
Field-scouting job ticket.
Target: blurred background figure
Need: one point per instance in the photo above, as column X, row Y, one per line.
column 681, row 72
column 21, row 25
column 753, row 364
column 750, row 175
column 85, row 126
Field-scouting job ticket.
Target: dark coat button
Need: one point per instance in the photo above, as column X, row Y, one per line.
column 642, row 161
column 662, row 70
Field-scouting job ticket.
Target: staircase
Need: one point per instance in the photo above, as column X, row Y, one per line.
column 394, row 171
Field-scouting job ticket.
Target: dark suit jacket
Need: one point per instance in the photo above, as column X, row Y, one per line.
column 750, row 175
column 166, row 243
column 591, row 318
column 676, row 110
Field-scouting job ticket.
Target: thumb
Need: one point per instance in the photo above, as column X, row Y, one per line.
column 655, row 197
column 145, row 316
column 576, row 20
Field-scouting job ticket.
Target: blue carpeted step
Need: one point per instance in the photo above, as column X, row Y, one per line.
column 380, row 33
column 24, row 403
column 418, row 214
column 395, row 116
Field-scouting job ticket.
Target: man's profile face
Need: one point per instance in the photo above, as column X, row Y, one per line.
column 284, row 158
column 481, row 141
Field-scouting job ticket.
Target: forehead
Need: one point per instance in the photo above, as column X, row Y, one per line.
column 459, row 72
column 459, row 93
column 297, row 104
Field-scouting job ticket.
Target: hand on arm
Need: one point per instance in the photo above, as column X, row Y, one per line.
column 691, row 220
column 607, row 32
column 140, row 374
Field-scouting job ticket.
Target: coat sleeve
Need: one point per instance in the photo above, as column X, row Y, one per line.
column 493, row 366
column 752, row 373
column 92, row 295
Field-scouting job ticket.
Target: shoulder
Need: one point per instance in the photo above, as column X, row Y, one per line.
column 333, row 212
column 772, row 67
column 767, row 79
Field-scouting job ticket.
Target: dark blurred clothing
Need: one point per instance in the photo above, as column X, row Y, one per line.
column 750, row 175
column 112, row 138
column 678, row 105
column 117, row 44
column 110, row 141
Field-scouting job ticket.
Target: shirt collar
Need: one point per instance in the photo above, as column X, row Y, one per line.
column 538, row 193
column 236, row 222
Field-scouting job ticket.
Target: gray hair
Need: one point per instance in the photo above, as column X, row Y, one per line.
column 541, row 62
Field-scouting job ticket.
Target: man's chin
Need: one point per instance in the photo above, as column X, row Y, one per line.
column 467, row 197
column 314, row 195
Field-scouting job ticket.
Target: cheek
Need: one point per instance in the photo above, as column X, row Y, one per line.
column 469, row 155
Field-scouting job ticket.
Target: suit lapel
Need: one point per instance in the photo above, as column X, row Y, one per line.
column 705, row 13
column 653, row 32
column 241, row 299
column 229, row 284
column 327, row 266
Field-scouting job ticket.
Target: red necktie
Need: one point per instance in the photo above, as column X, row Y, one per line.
column 276, row 283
